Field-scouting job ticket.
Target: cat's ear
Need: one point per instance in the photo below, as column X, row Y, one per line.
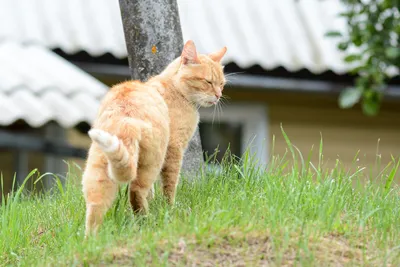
column 217, row 56
column 189, row 54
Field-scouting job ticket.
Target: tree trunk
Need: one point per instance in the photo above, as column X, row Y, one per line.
column 153, row 38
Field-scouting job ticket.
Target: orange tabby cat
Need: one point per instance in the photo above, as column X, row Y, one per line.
column 143, row 129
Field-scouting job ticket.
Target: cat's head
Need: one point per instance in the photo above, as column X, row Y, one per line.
column 201, row 77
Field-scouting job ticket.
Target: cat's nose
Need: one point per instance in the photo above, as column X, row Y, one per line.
column 218, row 95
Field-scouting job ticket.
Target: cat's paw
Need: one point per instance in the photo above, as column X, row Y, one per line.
column 107, row 142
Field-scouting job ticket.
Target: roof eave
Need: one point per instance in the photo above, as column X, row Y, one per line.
column 256, row 82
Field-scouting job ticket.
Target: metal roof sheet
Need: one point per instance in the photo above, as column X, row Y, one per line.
column 38, row 86
column 269, row 33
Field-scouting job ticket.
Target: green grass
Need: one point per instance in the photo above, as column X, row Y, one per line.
column 290, row 214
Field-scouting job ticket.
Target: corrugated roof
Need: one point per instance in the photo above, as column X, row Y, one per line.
column 269, row 33
column 38, row 86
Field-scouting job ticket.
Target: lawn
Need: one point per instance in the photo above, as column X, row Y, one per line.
column 290, row 214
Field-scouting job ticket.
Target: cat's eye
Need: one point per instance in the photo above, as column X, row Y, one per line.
column 209, row 82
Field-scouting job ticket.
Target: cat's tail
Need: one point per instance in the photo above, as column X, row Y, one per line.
column 122, row 158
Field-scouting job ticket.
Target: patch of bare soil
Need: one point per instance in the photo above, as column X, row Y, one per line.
column 254, row 250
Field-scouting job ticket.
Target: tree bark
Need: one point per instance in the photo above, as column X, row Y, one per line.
column 153, row 38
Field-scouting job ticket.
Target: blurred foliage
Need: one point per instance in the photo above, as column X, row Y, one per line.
column 373, row 32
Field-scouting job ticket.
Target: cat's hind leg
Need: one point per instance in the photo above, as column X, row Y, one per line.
column 151, row 193
column 99, row 192
column 142, row 186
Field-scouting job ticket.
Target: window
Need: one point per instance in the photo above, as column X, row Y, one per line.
column 240, row 125
column 222, row 136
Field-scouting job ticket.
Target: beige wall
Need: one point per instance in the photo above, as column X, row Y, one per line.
column 343, row 133
column 305, row 116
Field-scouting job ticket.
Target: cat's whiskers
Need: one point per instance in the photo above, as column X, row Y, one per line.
column 212, row 123
column 222, row 102
column 216, row 110
column 233, row 73
column 225, row 97
column 229, row 76
column 219, row 107
column 228, row 81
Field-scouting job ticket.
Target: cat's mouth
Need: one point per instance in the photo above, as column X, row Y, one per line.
column 211, row 103
column 208, row 102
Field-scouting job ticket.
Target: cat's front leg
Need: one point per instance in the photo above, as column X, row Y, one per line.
column 170, row 172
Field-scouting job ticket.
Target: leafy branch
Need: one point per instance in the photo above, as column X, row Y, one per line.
column 373, row 30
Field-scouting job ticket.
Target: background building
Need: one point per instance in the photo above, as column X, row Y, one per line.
column 284, row 71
